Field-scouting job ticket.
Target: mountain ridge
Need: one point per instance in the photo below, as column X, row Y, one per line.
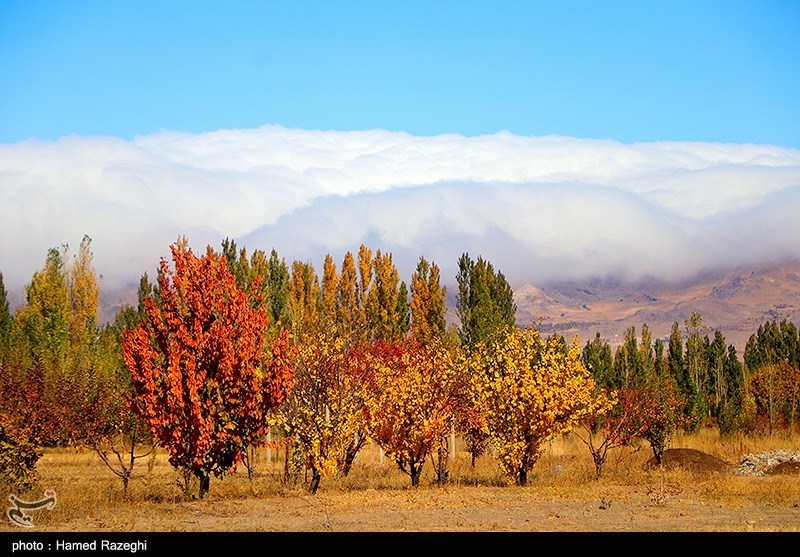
column 735, row 302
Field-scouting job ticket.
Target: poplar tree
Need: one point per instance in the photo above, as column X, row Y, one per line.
column 427, row 303
column 382, row 309
column 485, row 301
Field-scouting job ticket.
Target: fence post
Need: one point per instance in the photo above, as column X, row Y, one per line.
column 452, row 442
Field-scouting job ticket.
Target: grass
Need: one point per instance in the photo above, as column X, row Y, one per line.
column 85, row 487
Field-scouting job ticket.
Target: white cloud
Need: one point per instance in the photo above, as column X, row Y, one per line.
column 540, row 208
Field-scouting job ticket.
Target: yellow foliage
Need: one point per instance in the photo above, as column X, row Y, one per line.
column 528, row 391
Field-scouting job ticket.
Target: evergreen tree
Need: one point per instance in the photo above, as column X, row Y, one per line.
column 646, row 360
column 485, row 302
column 730, row 415
column 237, row 262
column 382, row 306
column 599, row 360
column 278, row 291
column 5, row 319
column 660, row 361
column 403, row 310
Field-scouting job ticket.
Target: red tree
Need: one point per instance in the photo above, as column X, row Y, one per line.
column 203, row 375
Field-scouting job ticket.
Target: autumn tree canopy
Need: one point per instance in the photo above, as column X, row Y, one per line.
column 409, row 401
column 203, row 376
column 324, row 410
column 528, row 391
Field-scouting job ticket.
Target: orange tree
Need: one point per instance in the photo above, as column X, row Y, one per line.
column 528, row 391
column 324, row 410
column 410, row 397
column 203, row 376
column 618, row 418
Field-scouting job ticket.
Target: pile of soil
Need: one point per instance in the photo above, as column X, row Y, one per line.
column 789, row 467
column 692, row 460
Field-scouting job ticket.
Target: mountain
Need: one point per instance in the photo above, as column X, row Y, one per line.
column 735, row 303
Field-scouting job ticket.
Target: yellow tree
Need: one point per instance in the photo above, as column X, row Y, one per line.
column 330, row 281
column 349, row 313
column 84, row 295
column 428, row 327
column 351, row 323
column 304, row 298
column 410, row 397
column 324, row 410
column 528, row 391
column 427, row 303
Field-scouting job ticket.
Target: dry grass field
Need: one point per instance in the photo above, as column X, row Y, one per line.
column 562, row 495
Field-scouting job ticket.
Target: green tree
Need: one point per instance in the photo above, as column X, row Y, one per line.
column 696, row 363
column 278, row 291
column 730, row 415
column 5, row 320
column 646, row 355
column 716, row 388
column 45, row 319
column 599, row 360
column 660, row 360
column 485, row 301
column 383, row 319
column 403, row 310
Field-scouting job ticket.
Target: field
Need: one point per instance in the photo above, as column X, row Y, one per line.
column 561, row 496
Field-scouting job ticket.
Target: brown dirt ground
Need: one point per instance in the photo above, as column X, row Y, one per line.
column 593, row 508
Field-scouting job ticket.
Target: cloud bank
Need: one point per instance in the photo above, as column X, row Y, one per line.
column 540, row 208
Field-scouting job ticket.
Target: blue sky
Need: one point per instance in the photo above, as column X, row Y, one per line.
column 560, row 140
column 624, row 70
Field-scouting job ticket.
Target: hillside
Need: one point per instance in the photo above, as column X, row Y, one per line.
column 735, row 303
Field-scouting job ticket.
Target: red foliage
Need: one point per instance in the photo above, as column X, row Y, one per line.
column 203, row 377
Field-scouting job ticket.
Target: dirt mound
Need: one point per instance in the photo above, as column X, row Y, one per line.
column 789, row 467
column 690, row 459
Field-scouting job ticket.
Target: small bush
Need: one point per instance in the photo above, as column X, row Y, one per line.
column 18, row 457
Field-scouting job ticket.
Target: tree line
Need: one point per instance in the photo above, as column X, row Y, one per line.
column 223, row 348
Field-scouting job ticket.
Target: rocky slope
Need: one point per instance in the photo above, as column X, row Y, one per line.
column 735, row 303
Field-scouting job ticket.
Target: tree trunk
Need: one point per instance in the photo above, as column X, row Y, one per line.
column 522, row 477
column 286, row 462
column 352, row 450
column 315, row 479
column 205, row 479
column 598, row 468
column 441, row 463
column 415, row 474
